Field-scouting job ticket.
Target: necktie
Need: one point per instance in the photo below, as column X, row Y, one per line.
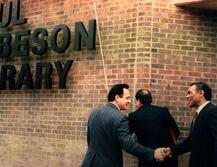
column 194, row 119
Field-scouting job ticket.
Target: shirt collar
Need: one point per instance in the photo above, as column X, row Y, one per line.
column 116, row 106
column 201, row 107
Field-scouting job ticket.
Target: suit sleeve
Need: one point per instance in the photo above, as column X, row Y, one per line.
column 212, row 126
column 181, row 148
column 129, row 144
column 173, row 125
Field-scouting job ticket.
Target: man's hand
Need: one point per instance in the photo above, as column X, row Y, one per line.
column 159, row 154
column 168, row 152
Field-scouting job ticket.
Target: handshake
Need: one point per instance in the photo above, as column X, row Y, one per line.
column 161, row 153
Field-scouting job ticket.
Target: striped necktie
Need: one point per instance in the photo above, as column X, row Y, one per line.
column 194, row 119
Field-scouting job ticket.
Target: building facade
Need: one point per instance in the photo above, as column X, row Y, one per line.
column 151, row 44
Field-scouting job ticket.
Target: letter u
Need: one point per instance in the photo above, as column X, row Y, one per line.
column 8, row 14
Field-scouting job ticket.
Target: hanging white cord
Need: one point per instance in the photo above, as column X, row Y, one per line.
column 150, row 59
column 100, row 42
column 136, row 60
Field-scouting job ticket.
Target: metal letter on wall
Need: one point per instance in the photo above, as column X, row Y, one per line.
column 8, row 14
column 17, row 20
column 62, row 72
column 88, row 37
column 25, row 77
column 21, row 46
column 5, row 48
column 66, row 38
column 7, row 74
column 42, row 43
column 43, row 72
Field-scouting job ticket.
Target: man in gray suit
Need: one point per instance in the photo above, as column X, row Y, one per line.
column 108, row 133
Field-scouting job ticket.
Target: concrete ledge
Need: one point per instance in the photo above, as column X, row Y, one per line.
column 208, row 4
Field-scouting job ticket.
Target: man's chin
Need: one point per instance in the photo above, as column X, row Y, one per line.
column 190, row 105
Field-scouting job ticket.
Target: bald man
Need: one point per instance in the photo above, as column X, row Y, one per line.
column 152, row 126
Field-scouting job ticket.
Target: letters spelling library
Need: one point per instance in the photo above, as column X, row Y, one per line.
column 59, row 58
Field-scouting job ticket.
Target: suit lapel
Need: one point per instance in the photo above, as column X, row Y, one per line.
column 202, row 113
column 198, row 123
column 200, row 117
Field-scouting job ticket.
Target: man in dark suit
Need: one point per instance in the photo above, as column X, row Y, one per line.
column 108, row 132
column 154, row 127
column 202, row 140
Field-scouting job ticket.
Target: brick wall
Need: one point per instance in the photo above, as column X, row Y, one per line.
column 145, row 43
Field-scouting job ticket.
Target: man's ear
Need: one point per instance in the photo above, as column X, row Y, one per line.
column 201, row 93
column 116, row 97
column 140, row 104
column 139, row 101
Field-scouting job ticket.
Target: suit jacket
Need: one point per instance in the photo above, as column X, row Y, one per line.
column 202, row 140
column 152, row 125
column 107, row 133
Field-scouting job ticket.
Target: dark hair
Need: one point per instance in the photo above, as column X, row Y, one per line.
column 144, row 96
column 206, row 89
column 116, row 90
